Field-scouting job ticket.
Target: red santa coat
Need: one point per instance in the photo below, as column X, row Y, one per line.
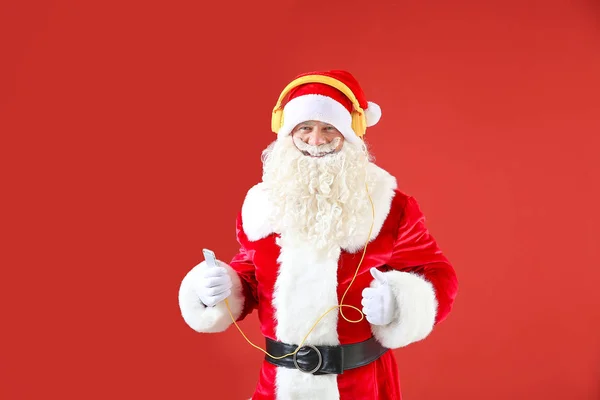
column 292, row 287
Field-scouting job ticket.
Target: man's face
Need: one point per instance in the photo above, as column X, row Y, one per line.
column 317, row 139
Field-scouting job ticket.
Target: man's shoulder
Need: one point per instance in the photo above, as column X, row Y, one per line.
column 401, row 198
column 386, row 181
column 253, row 217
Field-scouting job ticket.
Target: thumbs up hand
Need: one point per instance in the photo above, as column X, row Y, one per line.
column 378, row 302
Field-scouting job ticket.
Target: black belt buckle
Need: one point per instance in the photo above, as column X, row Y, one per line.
column 319, row 364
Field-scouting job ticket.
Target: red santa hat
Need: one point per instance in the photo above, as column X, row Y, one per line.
column 322, row 102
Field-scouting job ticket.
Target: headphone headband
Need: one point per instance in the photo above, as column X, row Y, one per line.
column 327, row 80
column 359, row 123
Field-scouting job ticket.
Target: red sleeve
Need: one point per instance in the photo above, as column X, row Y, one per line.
column 416, row 251
column 243, row 264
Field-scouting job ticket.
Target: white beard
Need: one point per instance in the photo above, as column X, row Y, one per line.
column 319, row 201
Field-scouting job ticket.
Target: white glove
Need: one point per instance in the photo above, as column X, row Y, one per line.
column 214, row 284
column 378, row 302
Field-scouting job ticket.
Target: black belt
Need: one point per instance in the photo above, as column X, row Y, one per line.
column 320, row 360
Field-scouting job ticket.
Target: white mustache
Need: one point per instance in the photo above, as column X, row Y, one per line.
column 319, row 150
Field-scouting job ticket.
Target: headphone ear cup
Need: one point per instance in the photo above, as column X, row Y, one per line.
column 276, row 120
column 358, row 124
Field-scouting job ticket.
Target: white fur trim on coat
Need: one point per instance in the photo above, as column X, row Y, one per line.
column 255, row 213
column 209, row 319
column 382, row 194
column 416, row 308
column 305, row 289
column 293, row 384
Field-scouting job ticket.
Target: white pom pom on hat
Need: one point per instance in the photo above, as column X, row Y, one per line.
column 373, row 113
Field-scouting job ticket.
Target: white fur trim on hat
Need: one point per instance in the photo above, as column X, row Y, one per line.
column 373, row 113
column 316, row 107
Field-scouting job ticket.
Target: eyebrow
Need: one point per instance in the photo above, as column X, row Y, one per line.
column 313, row 123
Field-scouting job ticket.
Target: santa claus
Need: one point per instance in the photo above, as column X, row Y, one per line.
column 335, row 258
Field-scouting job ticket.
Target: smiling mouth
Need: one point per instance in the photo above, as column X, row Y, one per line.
column 316, row 151
column 306, row 153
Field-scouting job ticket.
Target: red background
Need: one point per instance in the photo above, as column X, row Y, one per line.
column 132, row 130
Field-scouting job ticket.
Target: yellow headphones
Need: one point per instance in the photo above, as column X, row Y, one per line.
column 359, row 121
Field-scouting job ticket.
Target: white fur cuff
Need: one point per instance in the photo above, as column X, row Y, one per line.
column 209, row 319
column 416, row 307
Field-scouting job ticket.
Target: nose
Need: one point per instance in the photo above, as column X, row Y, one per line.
column 316, row 137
